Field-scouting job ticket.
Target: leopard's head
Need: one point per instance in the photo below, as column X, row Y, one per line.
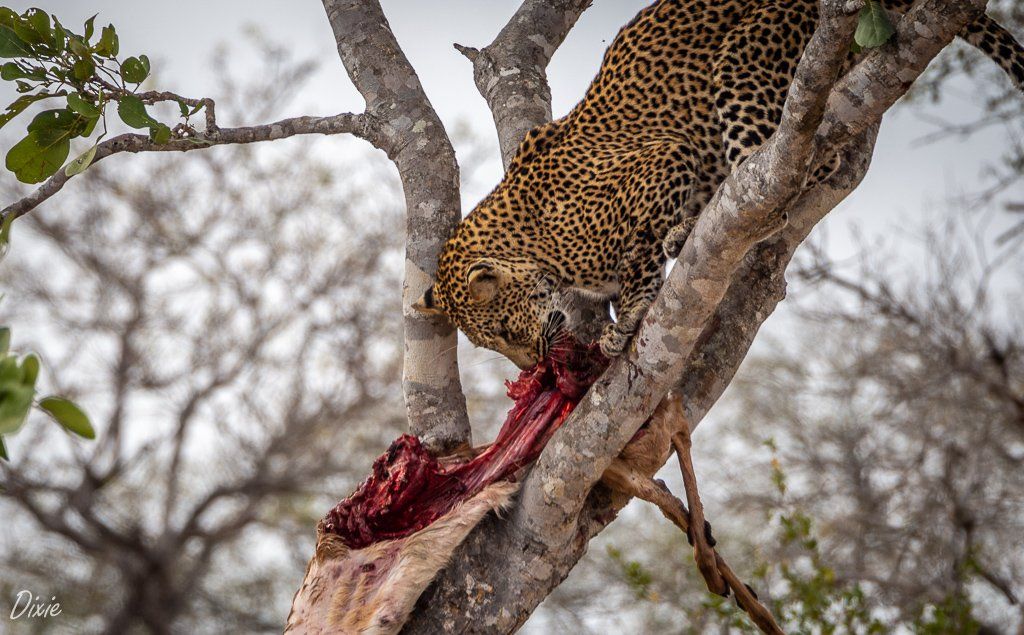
column 499, row 304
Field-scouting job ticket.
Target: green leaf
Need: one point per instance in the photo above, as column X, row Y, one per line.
column 30, row 370
column 133, row 112
column 12, row 70
column 82, row 106
column 11, row 45
column 134, row 71
column 15, row 401
column 80, row 163
column 10, row 371
column 108, row 43
column 50, row 124
column 183, row 107
column 26, row 32
column 68, row 415
column 160, row 134
column 8, row 17
column 79, row 47
column 19, row 105
column 90, row 27
column 90, row 125
column 5, row 339
column 40, row 22
column 83, row 69
column 60, row 35
column 3, row 450
column 33, row 160
column 873, row 27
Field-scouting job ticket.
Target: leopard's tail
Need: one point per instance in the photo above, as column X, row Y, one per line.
column 999, row 45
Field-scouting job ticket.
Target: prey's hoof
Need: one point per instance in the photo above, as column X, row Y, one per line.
column 708, row 536
column 613, row 342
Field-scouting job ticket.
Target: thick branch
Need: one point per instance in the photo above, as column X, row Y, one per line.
column 519, row 583
column 760, row 285
column 362, row 125
column 416, row 141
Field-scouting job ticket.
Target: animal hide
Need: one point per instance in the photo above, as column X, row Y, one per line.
column 373, row 590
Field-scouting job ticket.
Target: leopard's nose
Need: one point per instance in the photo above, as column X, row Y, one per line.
column 525, row 360
column 523, row 364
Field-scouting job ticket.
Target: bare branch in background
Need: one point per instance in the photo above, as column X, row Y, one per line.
column 225, row 328
column 399, row 120
column 909, row 399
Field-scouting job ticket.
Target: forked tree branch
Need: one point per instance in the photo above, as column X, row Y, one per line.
column 748, row 207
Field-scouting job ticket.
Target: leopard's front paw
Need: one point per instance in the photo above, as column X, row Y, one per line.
column 676, row 237
column 673, row 243
column 613, row 342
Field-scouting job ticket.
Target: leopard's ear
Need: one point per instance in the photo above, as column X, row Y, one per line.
column 483, row 280
column 427, row 304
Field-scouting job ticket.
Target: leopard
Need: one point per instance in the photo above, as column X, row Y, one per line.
column 599, row 200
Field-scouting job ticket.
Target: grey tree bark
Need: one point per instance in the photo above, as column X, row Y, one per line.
column 511, row 72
